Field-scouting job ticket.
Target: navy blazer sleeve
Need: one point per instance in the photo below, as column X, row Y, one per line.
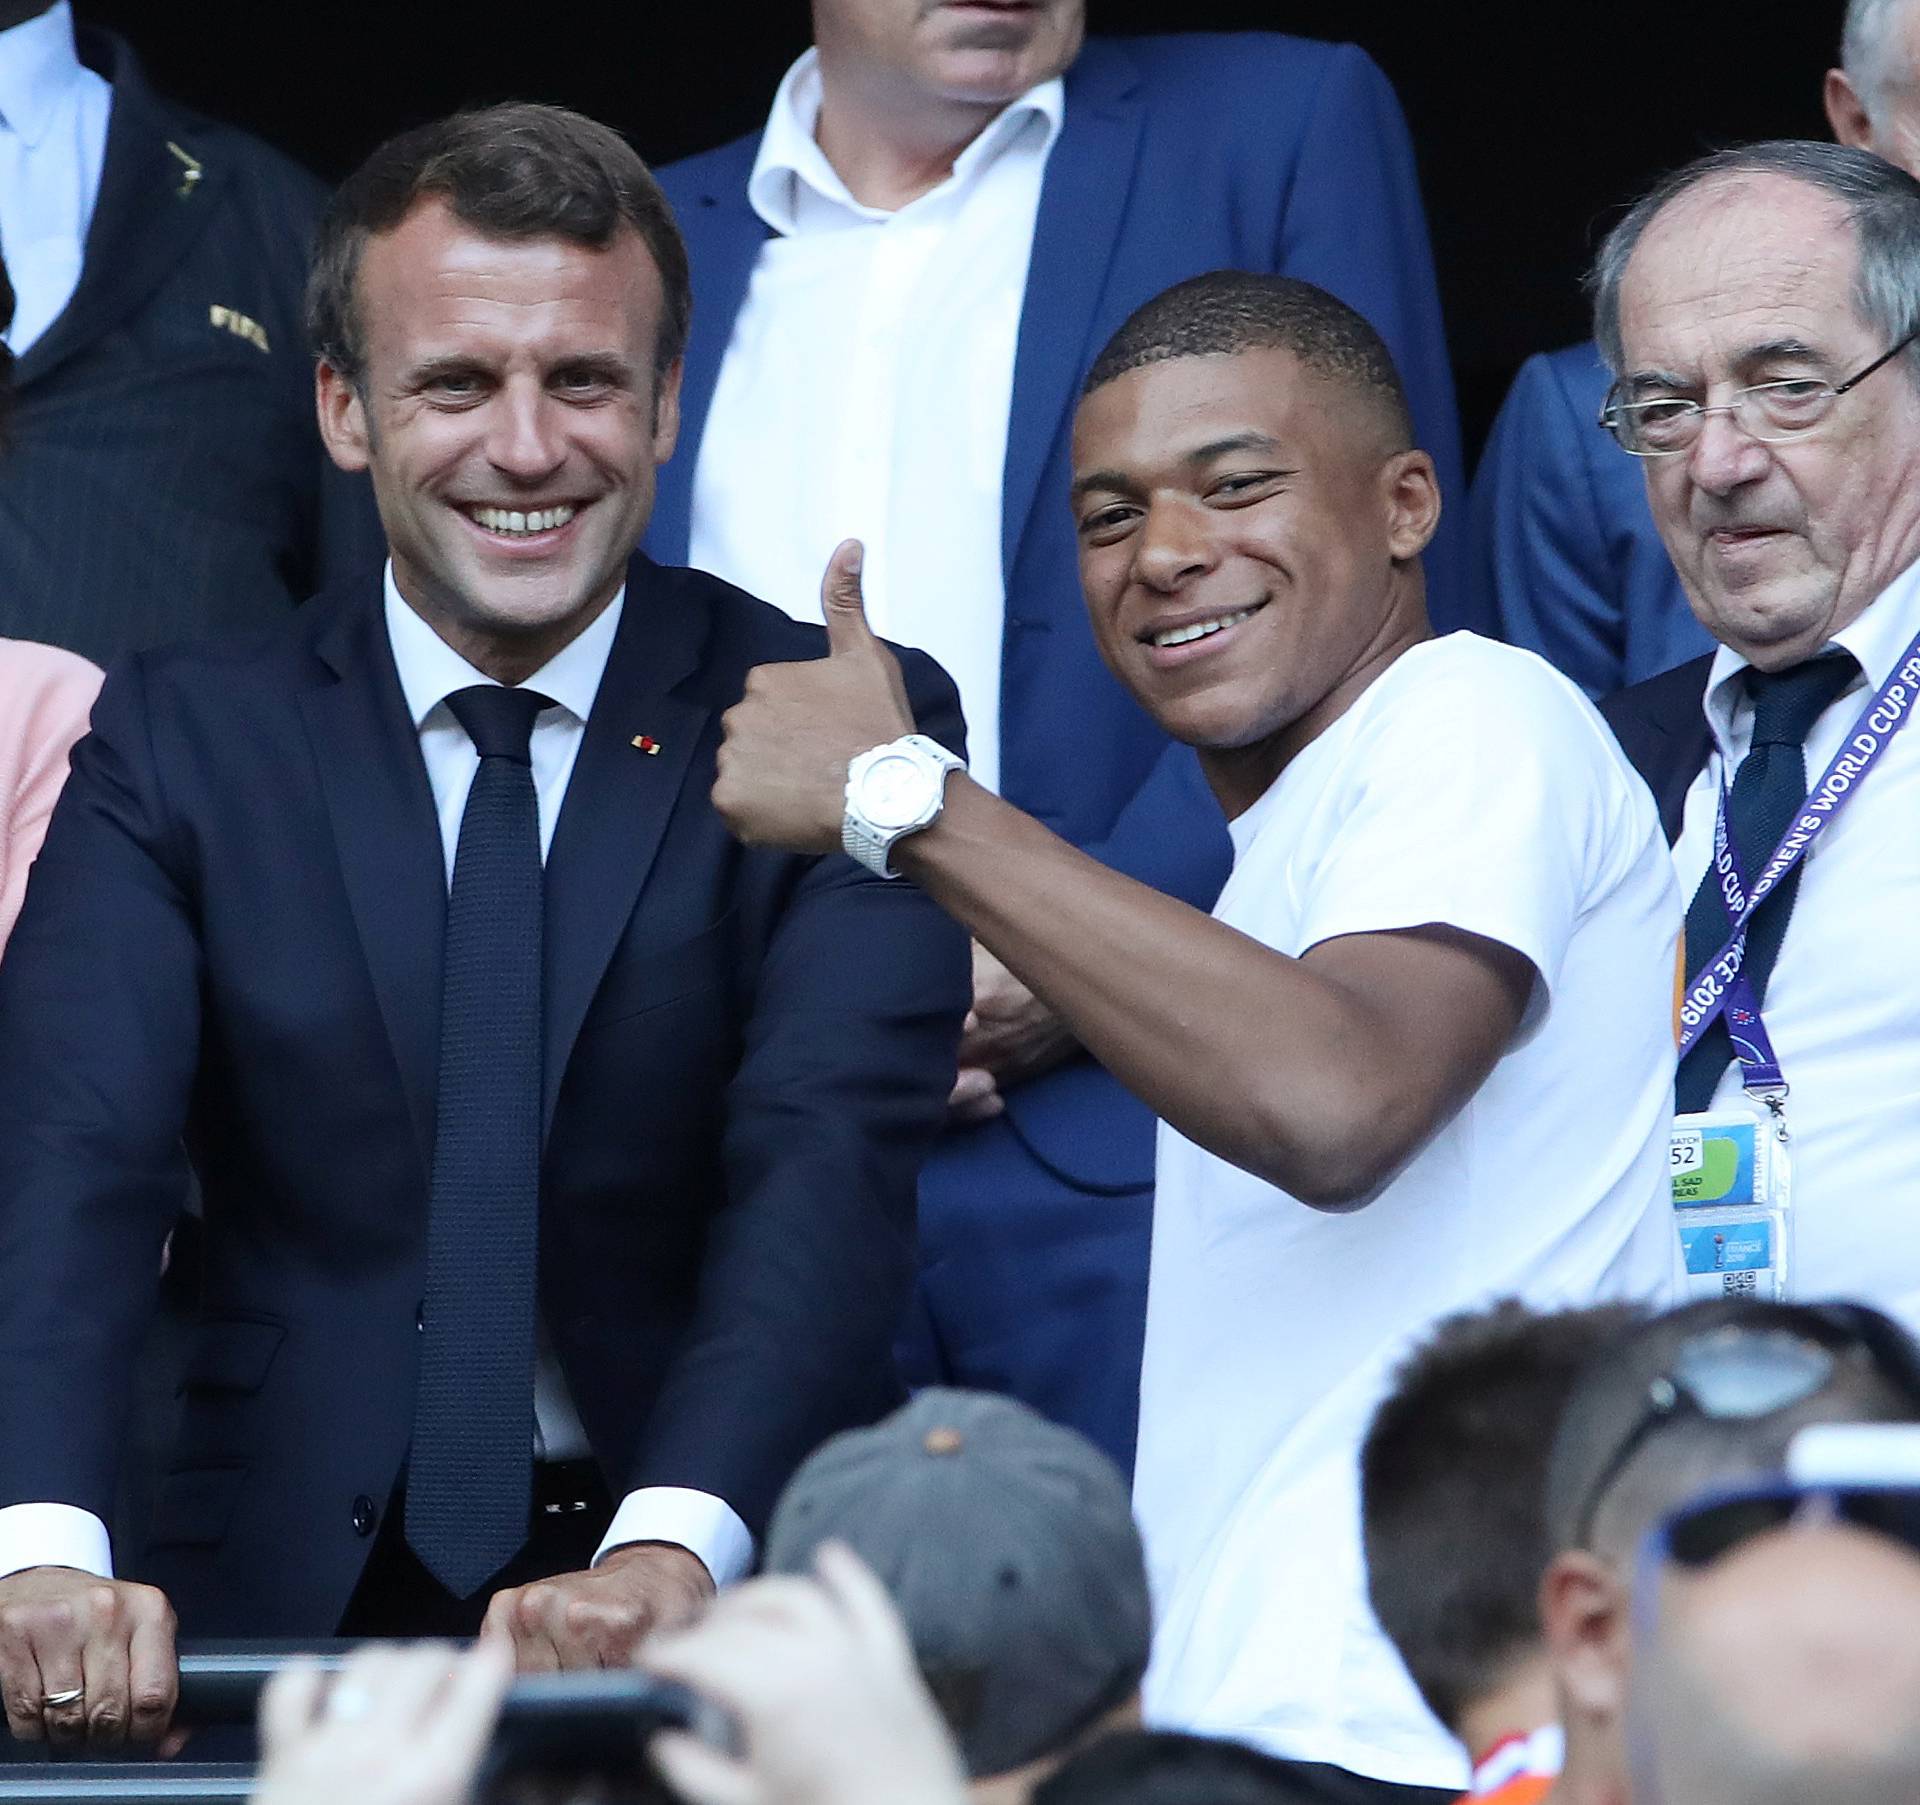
column 99, row 1031
column 841, row 1089
column 1564, row 546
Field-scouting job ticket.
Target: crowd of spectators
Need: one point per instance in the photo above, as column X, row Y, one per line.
column 1383, row 1173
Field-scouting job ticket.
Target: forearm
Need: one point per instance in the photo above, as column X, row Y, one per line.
column 1245, row 1051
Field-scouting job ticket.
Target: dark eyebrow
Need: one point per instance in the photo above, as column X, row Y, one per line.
column 436, row 367
column 610, row 366
column 1239, row 441
column 1103, row 479
column 1201, row 454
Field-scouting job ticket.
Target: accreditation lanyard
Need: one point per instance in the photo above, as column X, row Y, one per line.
column 1721, row 986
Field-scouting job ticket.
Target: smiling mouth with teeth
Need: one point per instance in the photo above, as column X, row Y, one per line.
column 1203, row 629
column 509, row 520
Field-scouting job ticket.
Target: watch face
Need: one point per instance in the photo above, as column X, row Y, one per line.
column 893, row 791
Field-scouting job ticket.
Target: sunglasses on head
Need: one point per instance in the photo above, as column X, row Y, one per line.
column 1746, row 1372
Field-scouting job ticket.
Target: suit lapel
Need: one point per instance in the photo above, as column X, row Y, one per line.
column 618, row 801
column 387, row 835
column 1662, row 728
column 1082, row 200
column 724, row 237
column 152, row 206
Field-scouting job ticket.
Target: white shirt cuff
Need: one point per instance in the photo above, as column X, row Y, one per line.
column 697, row 1521
column 53, row 1535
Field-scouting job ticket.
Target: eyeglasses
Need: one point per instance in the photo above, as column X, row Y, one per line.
column 1771, row 412
column 1742, row 1373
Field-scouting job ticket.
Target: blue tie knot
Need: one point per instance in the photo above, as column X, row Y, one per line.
column 499, row 721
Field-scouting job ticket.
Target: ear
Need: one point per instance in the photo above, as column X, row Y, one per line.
column 343, row 417
column 1584, row 1617
column 1846, row 111
column 1411, row 491
column 666, row 411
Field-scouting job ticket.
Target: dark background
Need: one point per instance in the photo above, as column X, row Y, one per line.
column 1533, row 122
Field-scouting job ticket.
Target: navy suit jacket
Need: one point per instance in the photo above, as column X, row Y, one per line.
column 1177, row 155
column 234, row 932
column 1566, row 557
column 1663, row 730
column 166, row 476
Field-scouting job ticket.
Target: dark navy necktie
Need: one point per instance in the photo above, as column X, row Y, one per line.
column 1767, row 792
column 470, row 1468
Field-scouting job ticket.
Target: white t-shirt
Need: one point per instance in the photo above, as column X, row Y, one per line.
column 1471, row 785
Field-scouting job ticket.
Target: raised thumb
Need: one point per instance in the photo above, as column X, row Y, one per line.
column 842, row 604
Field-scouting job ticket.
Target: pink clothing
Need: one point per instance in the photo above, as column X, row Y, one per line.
column 46, row 696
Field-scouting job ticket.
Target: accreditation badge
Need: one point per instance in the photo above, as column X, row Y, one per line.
column 1731, row 1201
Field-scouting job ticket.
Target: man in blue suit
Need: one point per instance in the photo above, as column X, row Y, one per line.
column 558, row 1159
column 899, row 285
column 1567, row 558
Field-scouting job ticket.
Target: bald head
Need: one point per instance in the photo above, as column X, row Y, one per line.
column 1787, row 1673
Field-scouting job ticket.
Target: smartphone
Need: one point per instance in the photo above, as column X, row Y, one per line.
column 590, row 1731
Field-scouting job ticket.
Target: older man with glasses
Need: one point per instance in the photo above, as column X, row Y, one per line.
column 1759, row 309
column 1708, row 1396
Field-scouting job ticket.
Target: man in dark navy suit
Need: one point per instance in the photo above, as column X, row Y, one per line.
column 164, row 479
column 293, row 908
column 900, row 283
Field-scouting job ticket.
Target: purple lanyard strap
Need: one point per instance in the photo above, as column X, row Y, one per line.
column 1720, row 986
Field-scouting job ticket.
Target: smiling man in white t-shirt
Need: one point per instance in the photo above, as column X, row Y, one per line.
column 1419, row 1055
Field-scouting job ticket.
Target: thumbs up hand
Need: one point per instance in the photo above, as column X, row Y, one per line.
column 781, row 776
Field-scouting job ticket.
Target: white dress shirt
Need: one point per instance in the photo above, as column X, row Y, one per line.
column 866, row 390
column 1843, row 1003
column 430, row 670
column 53, row 144
column 1470, row 785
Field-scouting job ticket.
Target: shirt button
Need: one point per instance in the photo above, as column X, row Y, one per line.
column 365, row 1516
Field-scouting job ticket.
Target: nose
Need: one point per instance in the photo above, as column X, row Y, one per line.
column 1174, row 545
column 524, row 439
column 1725, row 455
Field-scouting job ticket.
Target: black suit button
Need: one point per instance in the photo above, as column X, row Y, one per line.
column 364, row 1515
column 420, row 1317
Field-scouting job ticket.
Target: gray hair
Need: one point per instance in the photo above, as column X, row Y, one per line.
column 1882, row 205
column 1866, row 43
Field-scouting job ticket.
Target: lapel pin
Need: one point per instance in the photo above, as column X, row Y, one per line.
column 645, row 742
column 192, row 169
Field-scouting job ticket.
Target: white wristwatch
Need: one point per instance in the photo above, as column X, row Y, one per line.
column 892, row 791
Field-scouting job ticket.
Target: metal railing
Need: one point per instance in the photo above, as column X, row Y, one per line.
column 607, row 1715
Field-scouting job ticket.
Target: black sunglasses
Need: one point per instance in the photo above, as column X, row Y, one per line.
column 1704, row 1531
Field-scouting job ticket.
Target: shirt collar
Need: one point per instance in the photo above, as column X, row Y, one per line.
column 789, row 156
column 431, row 670
column 1877, row 637
column 39, row 67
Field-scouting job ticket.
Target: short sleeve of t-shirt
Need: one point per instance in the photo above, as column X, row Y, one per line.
column 1474, row 788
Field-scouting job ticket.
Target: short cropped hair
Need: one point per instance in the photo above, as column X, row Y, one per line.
column 1687, row 1453
column 512, row 172
column 1453, row 1479
column 1229, row 311
column 1167, row 1767
column 1881, row 202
